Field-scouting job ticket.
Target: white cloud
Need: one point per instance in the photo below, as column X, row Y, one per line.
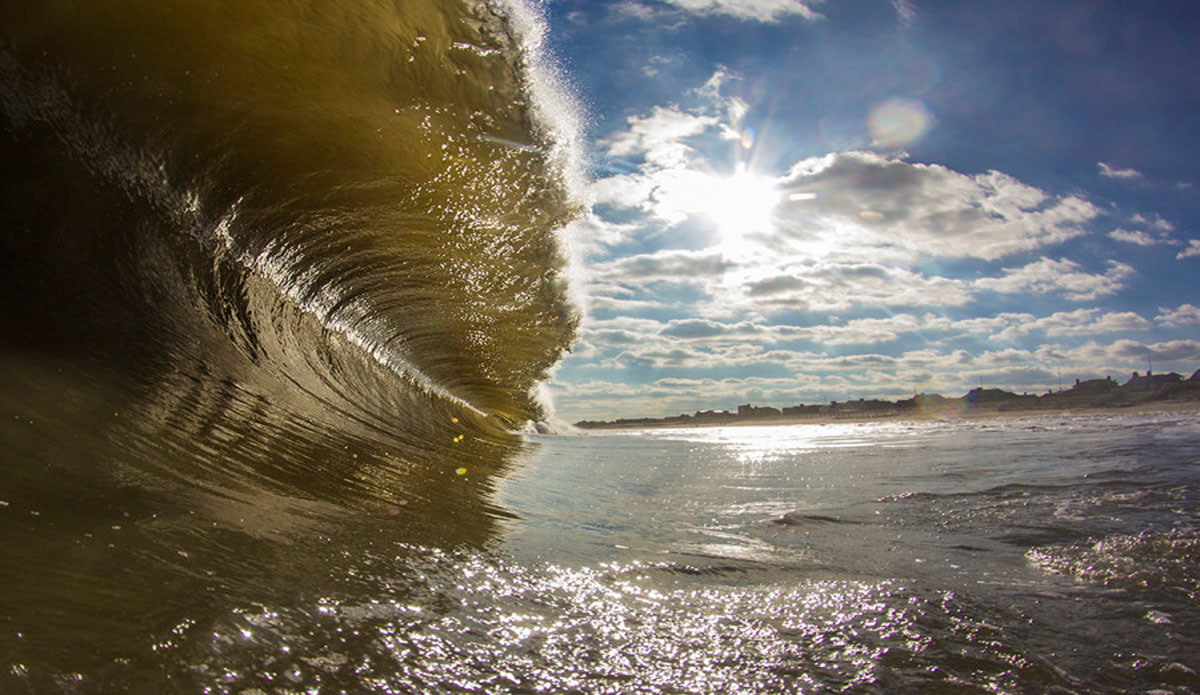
column 666, row 173
column 926, row 208
column 990, row 326
column 1111, row 173
column 857, row 233
column 1130, row 236
column 1183, row 315
column 758, row 10
column 632, row 9
column 832, row 286
column 1046, row 276
column 660, row 136
column 1015, row 326
column 1155, row 230
column 905, row 11
column 1156, row 222
column 624, row 305
column 655, row 64
column 646, row 340
column 1131, row 353
column 672, row 264
column 864, row 331
column 1193, row 249
column 1086, row 322
column 704, row 328
column 733, row 109
column 628, row 191
column 638, row 336
column 588, row 233
column 818, row 376
column 864, row 201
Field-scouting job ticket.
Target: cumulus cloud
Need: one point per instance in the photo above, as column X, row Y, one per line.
column 590, row 232
column 635, row 10
column 817, row 376
column 757, row 10
column 1132, row 351
column 905, row 11
column 619, row 305
column 1193, row 249
column 1109, row 172
column 675, row 286
column 658, row 161
column 989, row 326
column 660, row 136
column 1155, row 230
column 1133, row 236
column 1155, row 222
column 732, row 109
column 861, row 331
column 664, row 264
column 866, row 201
column 641, row 335
column 1046, row 276
column 650, row 341
column 1183, row 315
column 703, row 328
column 927, row 208
column 1085, row 322
column 832, row 286
column 1012, row 326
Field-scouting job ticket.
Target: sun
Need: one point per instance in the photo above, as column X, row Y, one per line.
column 735, row 206
column 738, row 205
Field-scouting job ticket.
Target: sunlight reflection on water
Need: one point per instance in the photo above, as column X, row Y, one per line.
column 751, row 443
column 471, row 624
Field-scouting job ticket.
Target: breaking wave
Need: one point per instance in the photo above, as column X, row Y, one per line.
column 276, row 278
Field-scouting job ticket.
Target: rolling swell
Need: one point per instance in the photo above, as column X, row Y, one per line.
column 278, row 281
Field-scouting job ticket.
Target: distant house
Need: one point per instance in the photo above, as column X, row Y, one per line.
column 803, row 411
column 751, row 411
column 1093, row 387
column 712, row 416
column 865, row 406
column 1151, row 381
column 982, row 396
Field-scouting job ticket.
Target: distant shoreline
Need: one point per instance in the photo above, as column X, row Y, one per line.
column 1141, row 394
column 1146, row 409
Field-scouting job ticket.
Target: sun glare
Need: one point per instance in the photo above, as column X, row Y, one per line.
column 737, row 205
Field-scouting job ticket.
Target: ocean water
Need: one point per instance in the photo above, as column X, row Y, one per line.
column 278, row 284
column 1024, row 555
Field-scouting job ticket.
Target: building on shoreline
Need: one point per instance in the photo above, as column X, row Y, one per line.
column 1091, row 393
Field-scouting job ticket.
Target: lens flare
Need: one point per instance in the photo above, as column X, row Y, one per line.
column 898, row 122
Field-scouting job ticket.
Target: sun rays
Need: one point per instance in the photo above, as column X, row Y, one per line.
column 734, row 206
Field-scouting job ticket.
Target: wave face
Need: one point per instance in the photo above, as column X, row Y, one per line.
column 276, row 278
column 289, row 177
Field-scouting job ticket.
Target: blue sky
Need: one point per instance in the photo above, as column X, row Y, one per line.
column 798, row 201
